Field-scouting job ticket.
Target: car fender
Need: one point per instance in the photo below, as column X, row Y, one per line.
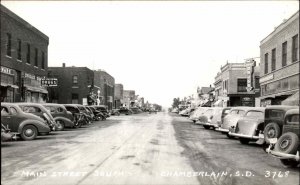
column 68, row 122
column 40, row 126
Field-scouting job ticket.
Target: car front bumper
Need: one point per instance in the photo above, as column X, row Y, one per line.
column 281, row 155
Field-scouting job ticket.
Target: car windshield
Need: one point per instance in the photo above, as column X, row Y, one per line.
column 233, row 112
column 277, row 114
column 256, row 114
column 294, row 118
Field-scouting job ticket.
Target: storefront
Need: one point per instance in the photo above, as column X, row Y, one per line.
column 8, row 84
column 274, row 93
column 247, row 100
column 32, row 89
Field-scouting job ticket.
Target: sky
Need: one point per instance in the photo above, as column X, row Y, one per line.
column 160, row 49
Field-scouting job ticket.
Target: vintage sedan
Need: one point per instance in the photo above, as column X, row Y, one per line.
column 286, row 148
column 27, row 125
column 274, row 119
column 102, row 109
column 210, row 117
column 97, row 114
column 247, row 128
column 41, row 111
column 79, row 118
column 115, row 112
column 197, row 113
column 124, row 110
column 232, row 118
column 61, row 115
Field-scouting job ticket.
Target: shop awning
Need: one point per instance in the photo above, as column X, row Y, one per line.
column 9, row 85
column 292, row 100
column 36, row 89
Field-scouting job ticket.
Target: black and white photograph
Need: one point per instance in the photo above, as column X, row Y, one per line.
column 105, row 92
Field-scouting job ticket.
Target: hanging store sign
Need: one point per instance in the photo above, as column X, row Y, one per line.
column 6, row 70
column 49, row 82
column 249, row 71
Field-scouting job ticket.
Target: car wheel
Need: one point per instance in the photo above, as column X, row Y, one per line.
column 244, row 141
column 272, row 130
column 289, row 163
column 29, row 132
column 206, row 127
column 60, row 125
column 229, row 136
column 288, row 143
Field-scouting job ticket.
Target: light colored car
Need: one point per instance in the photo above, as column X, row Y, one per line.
column 197, row 113
column 246, row 128
column 211, row 117
column 232, row 118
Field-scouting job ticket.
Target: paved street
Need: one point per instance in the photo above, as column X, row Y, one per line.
column 160, row 148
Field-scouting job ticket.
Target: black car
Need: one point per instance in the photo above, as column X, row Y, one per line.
column 125, row 111
column 102, row 109
column 98, row 114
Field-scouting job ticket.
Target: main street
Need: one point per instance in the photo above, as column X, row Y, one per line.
column 160, row 148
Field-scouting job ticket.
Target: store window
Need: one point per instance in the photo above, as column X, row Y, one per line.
column 36, row 57
column 43, row 60
column 28, row 54
column 266, row 63
column 74, row 98
column 273, row 67
column 242, row 84
column 295, row 48
column 8, row 45
column 284, row 53
column 19, row 57
column 75, row 79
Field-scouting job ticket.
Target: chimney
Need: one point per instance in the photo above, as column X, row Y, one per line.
column 64, row 65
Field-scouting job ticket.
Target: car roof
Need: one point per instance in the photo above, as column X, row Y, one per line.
column 29, row 104
column 292, row 111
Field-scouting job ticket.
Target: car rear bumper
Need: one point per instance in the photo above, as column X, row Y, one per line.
column 243, row 136
column 219, row 129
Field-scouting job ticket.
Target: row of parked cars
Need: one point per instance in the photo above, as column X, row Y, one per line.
column 276, row 128
column 29, row 120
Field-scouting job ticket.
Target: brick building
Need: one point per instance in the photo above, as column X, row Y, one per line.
column 118, row 95
column 75, row 85
column 237, row 85
column 129, row 98
column 279, row 52
column 24, row 59
column 106, row 84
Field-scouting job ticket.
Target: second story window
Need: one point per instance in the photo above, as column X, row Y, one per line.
column 43, row 60
column 19, row 49
column 295, row 48
column 266, row 63
column 284, row 53
column 242, row 84
column 273, row 59
column 8, row 45
column 35, row 57
column 75, row 79
column 28, row 54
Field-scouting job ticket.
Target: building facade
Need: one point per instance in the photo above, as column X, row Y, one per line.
column 75, row 85
column 24, row 60
column 279, row 73
column 106, row 84
column 128, row 98
column 237, row 84
column 118, row 95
